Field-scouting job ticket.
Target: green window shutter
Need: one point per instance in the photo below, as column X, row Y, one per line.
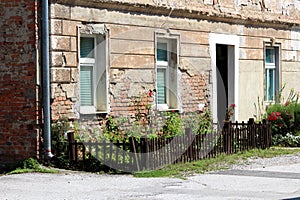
column 86, row 85
column 162, row 52
column 161, row 86
column 87, row 46
column 270, row 55
column 270, row 84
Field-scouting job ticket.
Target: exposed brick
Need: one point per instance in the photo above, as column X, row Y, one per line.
column 17, row 80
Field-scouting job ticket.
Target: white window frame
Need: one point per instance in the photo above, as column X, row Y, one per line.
column 167, row 65
column 272, row 66
column 89, row 62
column 164, row 65
column 95, row 63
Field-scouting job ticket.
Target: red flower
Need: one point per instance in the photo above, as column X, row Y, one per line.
column 272, row 116
column 287, row 103
column 280, row 125
column 172, row 111
column 229, row 112
column 150, row 93
column 278, row 113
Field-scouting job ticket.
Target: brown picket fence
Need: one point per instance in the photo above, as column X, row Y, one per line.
column 152, row 153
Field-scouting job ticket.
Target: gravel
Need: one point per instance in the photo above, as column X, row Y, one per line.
column 253, row 163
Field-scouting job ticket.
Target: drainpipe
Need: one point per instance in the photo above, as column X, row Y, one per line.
column 46, row 78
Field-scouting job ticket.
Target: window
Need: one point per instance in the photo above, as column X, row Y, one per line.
column 271, row 73
column 166, row 73
column 93, row 75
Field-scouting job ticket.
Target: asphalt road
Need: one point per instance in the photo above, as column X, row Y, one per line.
column 276, row 182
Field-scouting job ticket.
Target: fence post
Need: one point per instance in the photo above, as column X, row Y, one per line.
column 252, row 137
column 144, row 153
column 189, row 150
column 71, row 149
column 267, row 134
column 227, row 131
column 133, row 141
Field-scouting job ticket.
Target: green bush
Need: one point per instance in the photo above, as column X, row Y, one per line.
column 289, row 140
column 281, row 118
column 297, row 117
column 31, row 163
column 172, row 125
column 285, row 123
column 59, row 143
column 205, row 123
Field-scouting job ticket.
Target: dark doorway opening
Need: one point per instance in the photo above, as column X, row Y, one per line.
column 222, row 80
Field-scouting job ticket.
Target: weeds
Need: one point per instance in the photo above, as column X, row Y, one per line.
column 32, row 165
column 221, row 162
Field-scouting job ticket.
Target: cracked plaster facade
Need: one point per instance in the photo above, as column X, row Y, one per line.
column 132, row 25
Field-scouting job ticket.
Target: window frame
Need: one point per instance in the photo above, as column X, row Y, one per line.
column 88, row 62
column 100, row 104
column 169, row 39
column 276, row 76
column 165, row 66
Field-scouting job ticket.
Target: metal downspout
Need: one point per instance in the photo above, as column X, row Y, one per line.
column 46, row 78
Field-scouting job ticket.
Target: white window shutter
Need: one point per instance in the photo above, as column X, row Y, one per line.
column 161, row 86
column 86, row 85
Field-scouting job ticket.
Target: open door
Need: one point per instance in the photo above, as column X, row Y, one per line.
column 224, row 79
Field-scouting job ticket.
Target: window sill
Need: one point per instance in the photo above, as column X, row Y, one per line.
column 165, row 108
column 94, row 113
column 267, row 103
column 162, row 107
column 90, row 110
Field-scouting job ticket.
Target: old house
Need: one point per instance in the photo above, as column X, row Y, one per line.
column 194, row 54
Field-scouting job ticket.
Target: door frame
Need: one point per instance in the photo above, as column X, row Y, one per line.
column 233, row 60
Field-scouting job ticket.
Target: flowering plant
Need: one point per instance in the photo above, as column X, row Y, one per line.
column 280, row 122
column 229, row 112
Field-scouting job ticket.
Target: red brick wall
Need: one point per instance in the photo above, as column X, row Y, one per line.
column 194, row 91
column 18, row 94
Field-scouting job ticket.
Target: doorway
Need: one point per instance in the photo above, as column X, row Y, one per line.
column 224, row 50
column 224, row 79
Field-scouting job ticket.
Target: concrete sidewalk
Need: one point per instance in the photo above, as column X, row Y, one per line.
column 276, row 182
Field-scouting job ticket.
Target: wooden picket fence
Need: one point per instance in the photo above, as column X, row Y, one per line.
column 145, row 153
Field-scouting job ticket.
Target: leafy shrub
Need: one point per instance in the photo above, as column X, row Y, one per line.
column 281, row 118
column 205, row 123
column 59, row 143
column 289, row 140
column 112, row 130
column 172, row 125
column 31, row 163
column 285, row 121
